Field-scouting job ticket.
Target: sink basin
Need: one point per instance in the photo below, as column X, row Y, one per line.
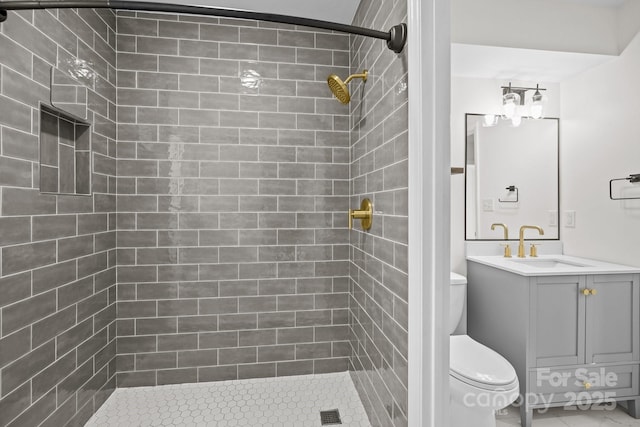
column 547, row 263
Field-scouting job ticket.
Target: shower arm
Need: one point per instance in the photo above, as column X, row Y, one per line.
column 396, row 37
column 357, row 76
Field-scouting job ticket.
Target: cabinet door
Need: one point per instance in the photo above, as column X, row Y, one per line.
column 612, row 318
column 557, row 320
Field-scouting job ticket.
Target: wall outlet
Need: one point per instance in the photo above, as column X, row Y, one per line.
column 570, row 219
column 553, row 218
column 488, row 205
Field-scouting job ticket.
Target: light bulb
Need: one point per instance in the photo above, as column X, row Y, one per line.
column 537, row 111
column 510, row 102
column 516, row 120
column 489, row 120
column 537, row 105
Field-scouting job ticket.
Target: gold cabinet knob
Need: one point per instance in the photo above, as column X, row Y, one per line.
column 594, row 292
column 587, row 385
column 586, row 292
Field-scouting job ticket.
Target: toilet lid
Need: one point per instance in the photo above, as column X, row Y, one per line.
column 478, row 365
column 457, row 279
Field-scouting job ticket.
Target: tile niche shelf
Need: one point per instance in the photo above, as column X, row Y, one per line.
column 65, row 153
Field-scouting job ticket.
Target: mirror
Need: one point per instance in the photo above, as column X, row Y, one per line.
column 68, row 94
column 511, row 177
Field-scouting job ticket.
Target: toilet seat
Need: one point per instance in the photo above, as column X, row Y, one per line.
column 479, row 366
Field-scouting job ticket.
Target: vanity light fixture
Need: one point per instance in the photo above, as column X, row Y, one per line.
column 513, row 102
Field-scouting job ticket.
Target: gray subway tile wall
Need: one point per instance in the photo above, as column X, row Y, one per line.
column 378, row 267
column 233, row 184
column 58, row 270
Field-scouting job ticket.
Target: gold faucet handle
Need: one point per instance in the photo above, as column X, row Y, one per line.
column 507, row 250
column 534, row 250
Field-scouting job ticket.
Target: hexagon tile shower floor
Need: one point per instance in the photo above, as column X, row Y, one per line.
column 266, row 402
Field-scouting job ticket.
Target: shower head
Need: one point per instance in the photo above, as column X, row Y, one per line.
column 339, row 87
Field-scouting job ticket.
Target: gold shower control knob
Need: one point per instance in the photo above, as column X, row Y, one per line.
column 587, row 385
column 364, row 214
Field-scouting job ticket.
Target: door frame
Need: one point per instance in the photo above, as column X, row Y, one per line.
column 429, row 211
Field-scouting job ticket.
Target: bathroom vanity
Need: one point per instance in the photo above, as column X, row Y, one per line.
column 569, row 326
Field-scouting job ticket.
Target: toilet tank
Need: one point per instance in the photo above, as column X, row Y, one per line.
column 457, row 294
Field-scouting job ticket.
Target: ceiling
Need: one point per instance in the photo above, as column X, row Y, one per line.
column 341, row 11
column 547, row 60
column 504, row 63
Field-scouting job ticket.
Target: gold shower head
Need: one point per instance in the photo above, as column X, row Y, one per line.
column 340, row 89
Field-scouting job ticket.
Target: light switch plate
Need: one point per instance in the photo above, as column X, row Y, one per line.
column 488, row 205
column 570, row 219
column 553, row 218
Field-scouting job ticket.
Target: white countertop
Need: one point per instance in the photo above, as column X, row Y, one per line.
column 552, row 265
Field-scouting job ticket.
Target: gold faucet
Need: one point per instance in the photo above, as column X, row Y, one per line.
column 506, row 230
column 507, row 248
column 521, row 245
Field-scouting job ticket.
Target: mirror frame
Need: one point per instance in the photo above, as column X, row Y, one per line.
column 466, row 128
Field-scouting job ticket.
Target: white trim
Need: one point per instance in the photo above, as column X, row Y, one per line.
column 429, row 211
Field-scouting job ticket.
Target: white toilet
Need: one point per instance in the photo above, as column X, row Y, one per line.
column 480, row 380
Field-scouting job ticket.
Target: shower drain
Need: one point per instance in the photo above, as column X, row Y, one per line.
column 331, row 417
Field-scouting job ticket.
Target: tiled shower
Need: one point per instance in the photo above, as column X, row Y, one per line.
column 214, row 245
column 231, row 245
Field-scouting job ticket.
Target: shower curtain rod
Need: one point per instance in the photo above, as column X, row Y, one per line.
column 396, row 37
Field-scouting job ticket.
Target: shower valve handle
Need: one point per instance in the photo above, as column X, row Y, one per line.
column 364, row 214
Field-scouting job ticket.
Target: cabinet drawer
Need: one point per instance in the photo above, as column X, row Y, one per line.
column 568, row 384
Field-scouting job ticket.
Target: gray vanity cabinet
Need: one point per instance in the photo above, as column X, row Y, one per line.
column 560, row 338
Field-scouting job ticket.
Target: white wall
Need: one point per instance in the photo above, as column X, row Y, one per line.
column 470, row 95
column 540, row 24
column 600, row 141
